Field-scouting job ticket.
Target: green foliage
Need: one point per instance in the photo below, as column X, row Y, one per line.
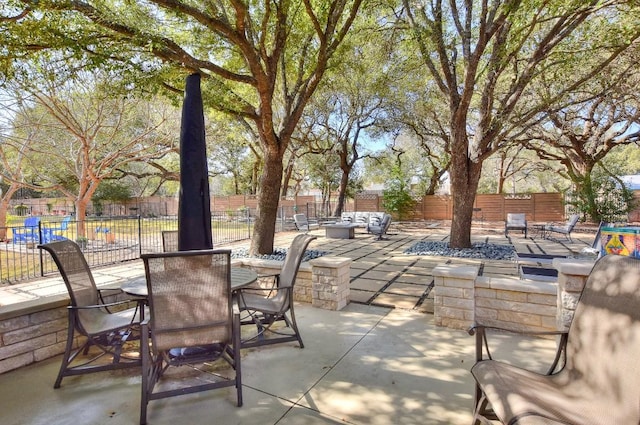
column 396, row 197
column 624, row 159
column 114, row 191
column 22, row 209
column 602, row 198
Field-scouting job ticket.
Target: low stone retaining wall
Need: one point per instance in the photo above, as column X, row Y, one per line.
column 323, row 281
column 572, row 276
column 463, row 298
column 36, row 330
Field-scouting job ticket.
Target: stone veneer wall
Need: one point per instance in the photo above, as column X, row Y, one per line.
column 454, row 293
column 323, row 281
column 37, row 330
column 516, row 304
column 462, row 298
column 572, row 276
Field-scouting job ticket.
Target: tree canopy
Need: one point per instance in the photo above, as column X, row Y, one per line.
column 465, row 80
column 262, row 60
column 489, row 58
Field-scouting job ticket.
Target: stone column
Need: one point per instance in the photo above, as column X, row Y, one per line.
column 330, row 282
column 572, row 275
column 454, row 295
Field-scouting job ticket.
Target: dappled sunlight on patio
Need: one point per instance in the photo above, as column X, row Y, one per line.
column 381, row 360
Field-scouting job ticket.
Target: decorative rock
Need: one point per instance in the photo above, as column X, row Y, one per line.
column 478, row 250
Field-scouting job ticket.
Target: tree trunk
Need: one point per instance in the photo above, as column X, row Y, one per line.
column 4, row 204
column 81, row 213
column 342, row 193
column 4, row 207
column 268, row 199
column 287, row 179
column 502, row 174
column 465, row 176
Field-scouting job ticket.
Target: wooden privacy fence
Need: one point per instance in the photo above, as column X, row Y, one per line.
column 537, row 206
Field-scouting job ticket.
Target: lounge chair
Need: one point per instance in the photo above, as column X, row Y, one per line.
column 91, row 321
column 29, row 232
column 593, row 379
column 380, row 230
column 265, row 307
column 54, row 233
column 564, row 229
column 515, row 222
column 303, row 224
column 532, row 258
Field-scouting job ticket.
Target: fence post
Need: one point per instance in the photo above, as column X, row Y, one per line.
column 140, row 234
column 248, row 221
column 40, row 251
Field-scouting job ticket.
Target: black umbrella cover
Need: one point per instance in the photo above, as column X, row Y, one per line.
column 194, row 208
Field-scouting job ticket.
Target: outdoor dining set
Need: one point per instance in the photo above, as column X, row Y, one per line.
column 188, row 310
column 194, row 308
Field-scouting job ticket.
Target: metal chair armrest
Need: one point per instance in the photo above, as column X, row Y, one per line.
column 105, row 306
column 482, row 343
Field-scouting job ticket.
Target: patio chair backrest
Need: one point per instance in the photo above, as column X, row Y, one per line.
column 189, row 298
column 75, row 272
column 293, row 259
column 64, row 224
column 573, row 220
column 385, row 223
column 604, row 337
column 303, row 223
column 516, row 219
column 169, row 240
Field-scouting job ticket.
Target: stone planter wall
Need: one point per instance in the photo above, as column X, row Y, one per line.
column 516, row 304
column 462, row 298
column 323, row 282
column 454, row 296
column 572, row 276
column 36, row 330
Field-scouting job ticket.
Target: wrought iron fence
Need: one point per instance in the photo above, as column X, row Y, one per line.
column 108, row 240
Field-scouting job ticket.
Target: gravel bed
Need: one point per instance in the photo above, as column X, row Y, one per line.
column 278, row 254
column 480, row 250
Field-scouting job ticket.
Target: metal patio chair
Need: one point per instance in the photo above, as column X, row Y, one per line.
column 515, row 222
column 28, row 232
column 380, row 230
column 169, row 240
column 265, row 307
column 96, row 323
column 564, row 229
column 595, row 376
column 192, row 322
column 304, row 224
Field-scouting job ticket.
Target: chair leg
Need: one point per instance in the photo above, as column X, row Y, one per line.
column 151, row 371
column 237, row 358
column 294, row 326
column 480, row 411
column 66, row 358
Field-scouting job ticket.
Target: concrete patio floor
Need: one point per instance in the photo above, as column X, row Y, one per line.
column 362, row 365
column 381, row 360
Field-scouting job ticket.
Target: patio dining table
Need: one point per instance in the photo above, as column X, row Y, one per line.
column 240, row 278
